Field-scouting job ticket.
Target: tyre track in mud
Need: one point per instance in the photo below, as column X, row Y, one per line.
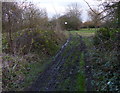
column 40, row 83
column 56, row 72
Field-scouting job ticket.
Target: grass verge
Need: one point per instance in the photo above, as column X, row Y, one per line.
column 84, row 32
column 35, row 70
column 80, row 86
column 21, row 71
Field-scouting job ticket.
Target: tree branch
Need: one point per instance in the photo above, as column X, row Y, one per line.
column 90, row 7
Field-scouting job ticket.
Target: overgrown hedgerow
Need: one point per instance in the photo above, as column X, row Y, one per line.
column 105, row 60
column 47, row 42
column 31, row 48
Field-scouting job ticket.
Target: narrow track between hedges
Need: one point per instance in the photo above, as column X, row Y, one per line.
column 61, row 73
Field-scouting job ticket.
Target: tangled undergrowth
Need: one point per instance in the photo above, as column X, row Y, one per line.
column 105, row 57
column 33, row 50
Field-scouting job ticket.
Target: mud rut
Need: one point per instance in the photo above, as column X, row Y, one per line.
column 62, row 68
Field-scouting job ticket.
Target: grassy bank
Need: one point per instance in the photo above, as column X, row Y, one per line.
column 21, row 70
column 36, row 69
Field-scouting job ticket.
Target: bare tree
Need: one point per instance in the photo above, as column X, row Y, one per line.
column 95, row 17
column 73, row 10
column 16, row 17
column 108, row 5
column 11, row 18
column 72, row 16
column 56, row 22
column 34, row 17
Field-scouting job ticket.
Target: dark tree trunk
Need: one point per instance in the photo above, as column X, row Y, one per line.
column 10, row 42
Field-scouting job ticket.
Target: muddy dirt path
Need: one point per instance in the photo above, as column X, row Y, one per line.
column 64, row 68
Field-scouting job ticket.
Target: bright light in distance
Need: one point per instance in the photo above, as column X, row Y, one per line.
column 65, row 23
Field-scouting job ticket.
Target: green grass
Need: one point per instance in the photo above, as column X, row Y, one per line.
column 84, row 32
column 78, row 79
column 88, row 41
column 81, row 76
column 81, row 82
column 82, row 60
column 87, row 35
column 92, row 29
column 21, row 77
column 35, row 69
column 72, row 43
column 64, row 84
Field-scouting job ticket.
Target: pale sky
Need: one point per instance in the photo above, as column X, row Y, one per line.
column 59, row 6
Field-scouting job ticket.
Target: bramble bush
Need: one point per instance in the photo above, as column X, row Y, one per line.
column 29, row 47
column 47, row 42
column 105, row 60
